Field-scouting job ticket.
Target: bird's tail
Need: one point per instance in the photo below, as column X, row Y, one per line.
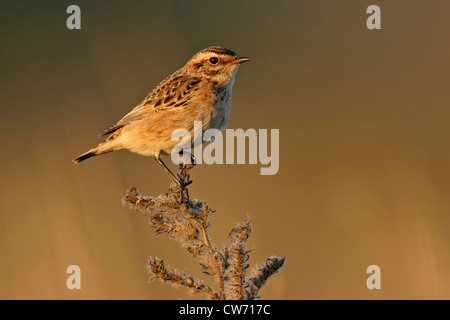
column 102, row 148
column 84, row 156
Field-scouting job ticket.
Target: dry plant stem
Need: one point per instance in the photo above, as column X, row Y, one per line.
column 207, row 242
column 187, row 221
column 211, row 252
column 237, row 262
column 157, row 267
column 272, row 265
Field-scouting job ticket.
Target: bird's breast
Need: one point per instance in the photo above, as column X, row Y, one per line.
column 222, row 110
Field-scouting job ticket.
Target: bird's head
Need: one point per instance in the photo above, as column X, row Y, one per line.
column 217, row 63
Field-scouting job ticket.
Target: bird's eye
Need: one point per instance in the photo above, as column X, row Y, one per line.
column 214, row 60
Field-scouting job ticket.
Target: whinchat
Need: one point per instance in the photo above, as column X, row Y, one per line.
column 199, row 91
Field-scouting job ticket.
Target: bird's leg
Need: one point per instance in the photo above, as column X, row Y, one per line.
column 183, row 177
column 162, row 164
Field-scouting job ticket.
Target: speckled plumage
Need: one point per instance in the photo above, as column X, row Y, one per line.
column 199, row 91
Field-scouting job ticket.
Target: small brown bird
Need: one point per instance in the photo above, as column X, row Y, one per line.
column 199, row 91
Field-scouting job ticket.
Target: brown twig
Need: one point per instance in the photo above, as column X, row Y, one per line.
column 187, row 221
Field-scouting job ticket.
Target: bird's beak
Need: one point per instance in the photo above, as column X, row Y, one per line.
column 241, row 60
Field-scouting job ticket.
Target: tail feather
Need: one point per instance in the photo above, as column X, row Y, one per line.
column 104, row 147
column 84, row 156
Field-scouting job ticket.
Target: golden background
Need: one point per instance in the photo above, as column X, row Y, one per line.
column 364, row 145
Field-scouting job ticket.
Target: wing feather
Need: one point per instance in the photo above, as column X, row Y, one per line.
column 174, row 92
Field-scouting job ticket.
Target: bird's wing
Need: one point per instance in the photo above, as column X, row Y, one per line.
column 173, row 92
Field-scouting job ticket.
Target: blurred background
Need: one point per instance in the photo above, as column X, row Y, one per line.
column 364, row 123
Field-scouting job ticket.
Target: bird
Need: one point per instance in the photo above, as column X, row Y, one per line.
column 199, row 91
